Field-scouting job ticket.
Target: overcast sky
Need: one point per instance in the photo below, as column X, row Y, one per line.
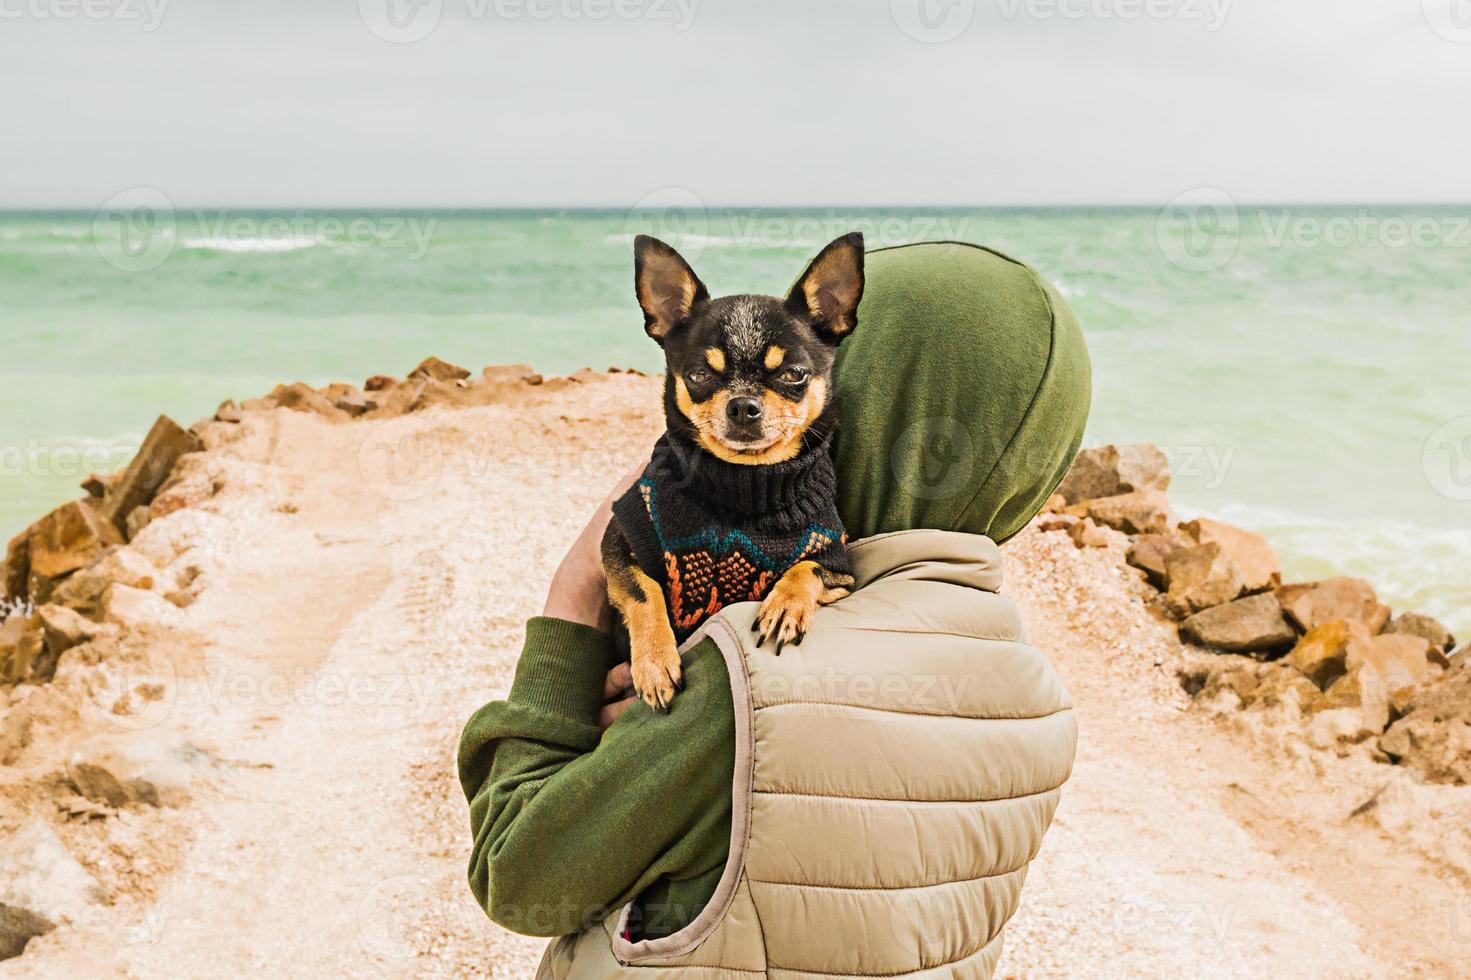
column 318, row 103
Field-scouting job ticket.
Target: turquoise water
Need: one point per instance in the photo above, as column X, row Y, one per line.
column 1299, row 384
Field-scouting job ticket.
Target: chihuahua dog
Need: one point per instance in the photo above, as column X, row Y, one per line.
column 738, row 502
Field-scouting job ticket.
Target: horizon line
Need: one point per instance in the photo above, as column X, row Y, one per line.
column 512, row 208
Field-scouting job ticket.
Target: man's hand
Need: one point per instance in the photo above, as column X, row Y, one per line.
column 614, row 689
column 579, row 593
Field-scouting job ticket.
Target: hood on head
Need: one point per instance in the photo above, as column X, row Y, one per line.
column 963, row 393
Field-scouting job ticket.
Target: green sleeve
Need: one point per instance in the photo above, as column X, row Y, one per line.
column 569, row 824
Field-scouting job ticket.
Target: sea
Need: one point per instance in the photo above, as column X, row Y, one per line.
column 1307, row 369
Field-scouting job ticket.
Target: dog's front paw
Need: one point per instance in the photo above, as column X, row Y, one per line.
column 786, row 612
column 656, row 673
column 785, row 618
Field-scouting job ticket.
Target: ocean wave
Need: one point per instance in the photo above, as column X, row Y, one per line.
column 241, row 244
column 1412, row 566
column 691, row 240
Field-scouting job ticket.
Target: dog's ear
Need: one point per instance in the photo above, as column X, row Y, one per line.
column 829, row 291
column 667, row 288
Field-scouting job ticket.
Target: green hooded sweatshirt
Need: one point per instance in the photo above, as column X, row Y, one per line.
column 964, row 393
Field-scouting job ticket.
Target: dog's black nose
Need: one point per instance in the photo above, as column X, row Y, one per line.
column 743, row 409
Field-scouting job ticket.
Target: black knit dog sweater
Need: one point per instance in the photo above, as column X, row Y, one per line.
column 712, row 533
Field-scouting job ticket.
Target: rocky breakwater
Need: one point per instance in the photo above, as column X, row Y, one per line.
column 1324, row 656
column 95, row 638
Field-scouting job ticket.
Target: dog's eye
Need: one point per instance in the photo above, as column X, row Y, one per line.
column 793, row 375
column 698, row 376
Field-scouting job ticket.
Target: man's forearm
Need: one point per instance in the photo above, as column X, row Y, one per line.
column 568, row 825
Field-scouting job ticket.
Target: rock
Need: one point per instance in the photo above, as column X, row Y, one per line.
column 433, row 369
column 355, row 403
column 1247, row 625
column 1057, row 522
column 1361, row 685
column 22, row 644
column 140, row 518
column 1332, row 727
column 133, row 608
column 70, row 537
column 1312, row 604
column 1199, row 578
column 535, row 379
column 1279, row 684
column 1255, row 560
column 1319, row 656
column 41, row 886
column 1150, row 551
column 1140, row 512
column 300, row 397
column 147, row 766
column 1239, row 678
column 1401, row 659
column 155, row 460
column 1086, row 534
column 1435, row 737
column 97, row 485
column 1419, row 624
column 125, row 566
column 15, row 733
column 17, row 568
column 380, row 382
column 1109, row 471
column 450, row 394
column 398, row 399
column 1460, row 658
column 1054, row 504
column 61, row 629
column 256, row 405
column 507, row 372
column 229, row 412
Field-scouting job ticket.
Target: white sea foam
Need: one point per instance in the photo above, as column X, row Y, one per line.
column 232, row 243
column 1413, row 567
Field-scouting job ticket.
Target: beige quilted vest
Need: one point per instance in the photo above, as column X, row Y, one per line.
column 894, row 775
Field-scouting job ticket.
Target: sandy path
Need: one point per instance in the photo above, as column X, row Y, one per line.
column 333, row 842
